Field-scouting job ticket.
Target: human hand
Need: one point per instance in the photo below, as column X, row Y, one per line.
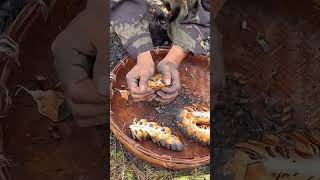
column 169, row 69
column 138, row 77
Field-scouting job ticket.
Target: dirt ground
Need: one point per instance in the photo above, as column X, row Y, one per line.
column 267, row 92
column 72, row 153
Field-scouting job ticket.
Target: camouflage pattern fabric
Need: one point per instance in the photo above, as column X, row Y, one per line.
column 189, row 24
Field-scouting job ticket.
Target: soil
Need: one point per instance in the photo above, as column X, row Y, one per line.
column 38, row 148
column 117, row 52
column 168, row 113
column 267, row 92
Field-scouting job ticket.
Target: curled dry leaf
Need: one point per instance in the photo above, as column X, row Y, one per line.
column 124, row 94
column 237, row 166
column 48, row 102
column 273, row 157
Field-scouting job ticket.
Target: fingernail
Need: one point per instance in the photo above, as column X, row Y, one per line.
column 167, row 81
column 142, row 88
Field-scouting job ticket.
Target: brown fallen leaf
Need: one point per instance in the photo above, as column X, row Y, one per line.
column 124, row 94
column 48, row 102
column 237, row 166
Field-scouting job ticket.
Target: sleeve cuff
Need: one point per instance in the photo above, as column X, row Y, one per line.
column 141, row 45
column 192, row 39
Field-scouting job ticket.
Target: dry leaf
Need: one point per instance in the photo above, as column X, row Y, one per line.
column 48, row 102
column 258, row 172
column 124, row 94
column 238, row 165
column 248, row 162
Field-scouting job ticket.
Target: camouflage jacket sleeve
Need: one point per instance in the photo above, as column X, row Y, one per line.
column 129, row 21
column 190, row 29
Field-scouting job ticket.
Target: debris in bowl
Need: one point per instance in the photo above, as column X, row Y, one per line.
column 124, row 94
column 168, row 115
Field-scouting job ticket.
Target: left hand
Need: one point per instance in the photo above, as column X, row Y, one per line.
column 169, row 69
column 171, row 78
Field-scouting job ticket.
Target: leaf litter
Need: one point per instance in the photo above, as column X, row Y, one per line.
column 48, row 102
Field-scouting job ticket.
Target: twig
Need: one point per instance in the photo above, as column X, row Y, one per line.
column 276, row 50
column 22, row 88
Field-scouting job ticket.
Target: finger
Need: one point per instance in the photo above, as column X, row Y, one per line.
column 138, row 96
column 132, row 83
column 164, row 101
column 143, row 99
column 166, row 96
column 171, row 89
column 143, row 82
column 167, row 77
column 161, row 101
column 175, row 81
column 137, row 91
column 133, row 86
column 152, row 98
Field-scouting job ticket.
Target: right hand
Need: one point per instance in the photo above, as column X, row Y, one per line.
column 138, row 77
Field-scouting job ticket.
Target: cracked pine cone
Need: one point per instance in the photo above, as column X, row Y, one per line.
column 143, row 130
column 195, row 122
column 292, row 156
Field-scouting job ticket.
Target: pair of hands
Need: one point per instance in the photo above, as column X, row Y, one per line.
column 139, row 75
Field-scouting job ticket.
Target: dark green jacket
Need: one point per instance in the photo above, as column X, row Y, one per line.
column 189, row 23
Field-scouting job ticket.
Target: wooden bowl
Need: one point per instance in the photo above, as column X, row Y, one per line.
column 123, row 112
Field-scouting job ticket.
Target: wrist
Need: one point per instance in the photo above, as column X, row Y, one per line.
column 175, row 55
column 171, row 61
column 145, row 58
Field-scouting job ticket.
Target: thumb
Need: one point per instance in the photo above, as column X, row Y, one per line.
column 143, row 82
column 167, row 77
